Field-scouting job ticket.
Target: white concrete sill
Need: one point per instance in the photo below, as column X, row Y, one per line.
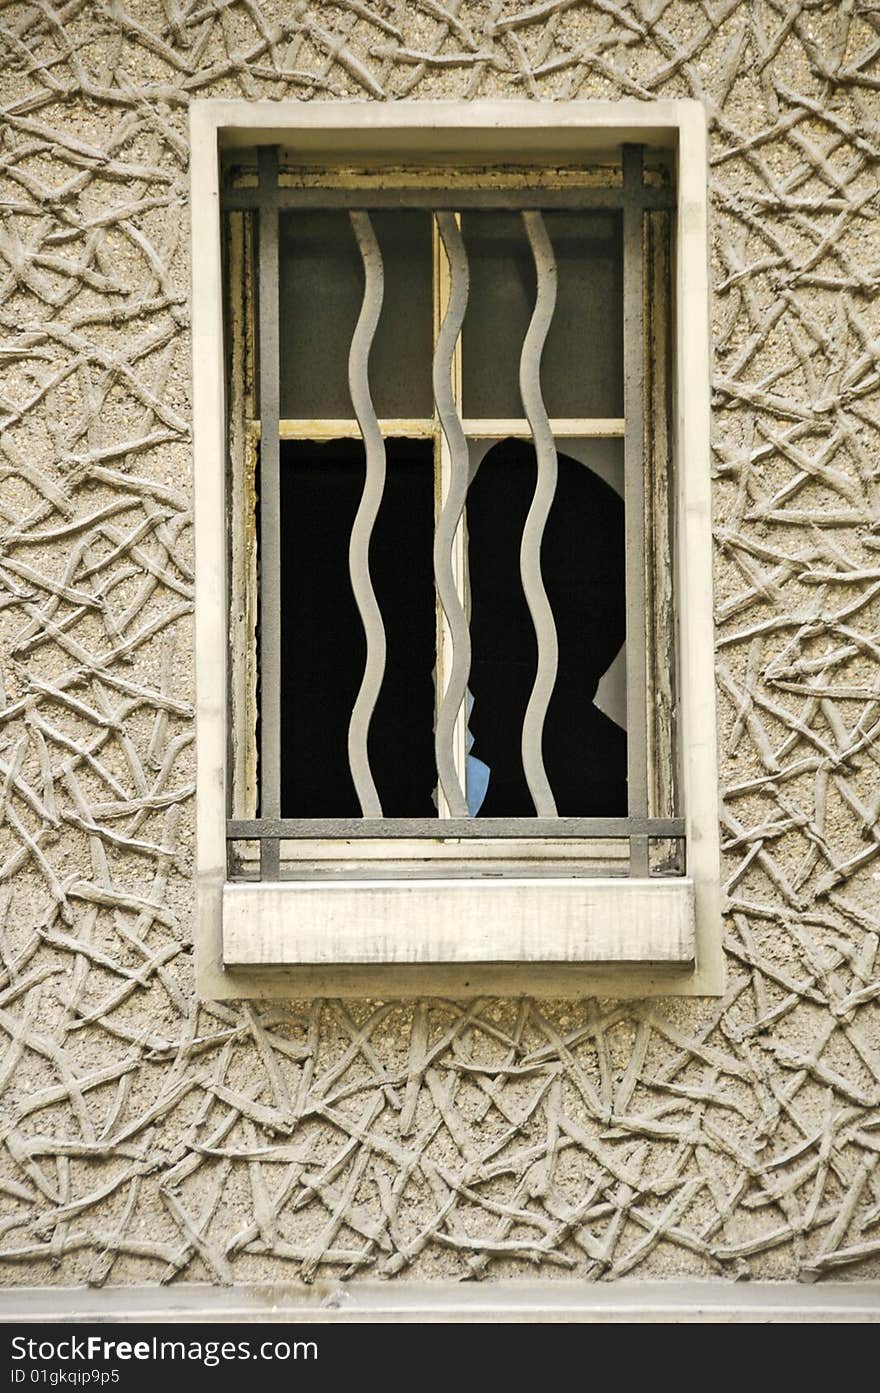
column 474, row 920
column 626, row 1302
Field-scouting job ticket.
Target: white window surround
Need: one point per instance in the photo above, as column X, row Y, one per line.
column 551, row 937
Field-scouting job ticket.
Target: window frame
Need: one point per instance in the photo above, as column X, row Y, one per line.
column 620, row 937
column 521, row 851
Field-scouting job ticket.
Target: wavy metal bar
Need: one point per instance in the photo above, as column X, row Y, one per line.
column 533, row 531
column 450, row 516
column 362, row 529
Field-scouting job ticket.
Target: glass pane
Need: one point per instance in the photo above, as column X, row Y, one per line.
column 323, row 640
column 582, row 363
column 321, row 288
column 583, row 561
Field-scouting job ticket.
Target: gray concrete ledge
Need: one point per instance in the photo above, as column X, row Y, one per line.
column 624, row 1302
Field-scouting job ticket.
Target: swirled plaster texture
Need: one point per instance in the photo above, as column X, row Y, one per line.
column 147, row 1137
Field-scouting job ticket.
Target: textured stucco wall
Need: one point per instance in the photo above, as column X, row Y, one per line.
column 146, row 1137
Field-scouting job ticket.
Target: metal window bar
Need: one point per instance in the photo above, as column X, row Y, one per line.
column 638, row 828
column 470, row 828
column 536, row 521
column 451, row 200
column 270, row 510
column 362, row 529
column 634, row 500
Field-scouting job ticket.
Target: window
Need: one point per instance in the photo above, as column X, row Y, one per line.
column 452, row 489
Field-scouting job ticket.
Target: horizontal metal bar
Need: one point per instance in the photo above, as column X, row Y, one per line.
column 341, row 829
column 423, row 427
column 454, row 200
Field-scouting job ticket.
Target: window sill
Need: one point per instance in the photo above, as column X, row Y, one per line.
column 396, row 923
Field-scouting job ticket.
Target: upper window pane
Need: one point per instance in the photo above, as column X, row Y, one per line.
column 321, row 288
column 582, row 363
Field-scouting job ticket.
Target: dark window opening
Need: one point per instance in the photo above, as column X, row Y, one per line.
column 323, row 645
column 584, row 570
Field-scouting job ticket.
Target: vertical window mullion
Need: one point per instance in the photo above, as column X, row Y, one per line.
column 660, row 524
column 270, row 521
column 442, row 476
column 634, row 492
